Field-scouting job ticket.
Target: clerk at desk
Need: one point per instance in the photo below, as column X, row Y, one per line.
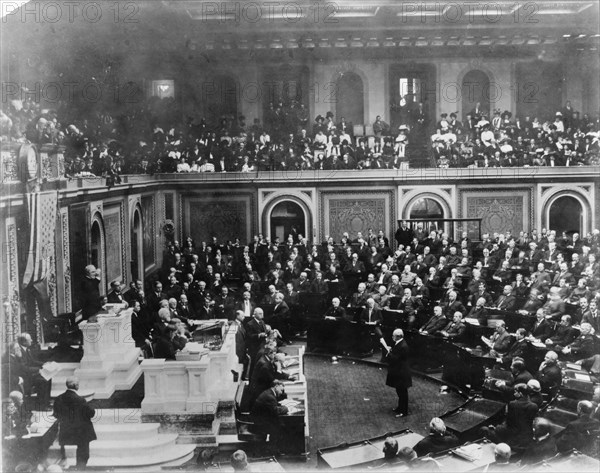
column 266, row 411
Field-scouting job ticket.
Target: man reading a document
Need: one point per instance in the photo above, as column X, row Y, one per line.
column 399, row 376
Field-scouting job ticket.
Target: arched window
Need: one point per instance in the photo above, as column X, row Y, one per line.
column 427, row 208
column 566, row 215
column 350, row 98
column 287, row 218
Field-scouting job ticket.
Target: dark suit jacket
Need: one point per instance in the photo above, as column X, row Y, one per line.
column 240, row 342
column 114, row 298
column 338, row 312
column 263, row 375
column 399, row 375
column 281, row 310
column 517, row 349
column 74, row 419
column 266, row 411
column 542, row 331
column 434, row 443
column 564, row 335
column 550, row 377
column 519, row 419
column 435, row 324
column 253, row 340
column 375, row 315
column 90, row 297
column 506, row 302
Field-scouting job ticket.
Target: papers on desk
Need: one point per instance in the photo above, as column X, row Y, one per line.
column 49, row 369
column 470, row 452
column 289, row 403
column 573, row 366
column 471, row 320
column 291, row 361
column 582, row 377
column 538, row 344
column 293, row 372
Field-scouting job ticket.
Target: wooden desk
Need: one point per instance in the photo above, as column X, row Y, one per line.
column 364, row 453
column 296, row 424
column 483, row 454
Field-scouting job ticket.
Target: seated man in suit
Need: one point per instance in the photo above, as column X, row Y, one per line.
column 581, row 433
column 518, row 349
column 439, row 439
column 517, row 429
column 436, row 323
column 359, row 298
column 549, row 374
column 455, row 330
column 582, row 346
column 28, row 368
column 480, row 312
column 506, row 301
column 453, row 305
column 266, row 411
column 541, row 328
column 408, row 307
column 372, row 316
column 520, row 375
column 564, row 334
column 115, row 296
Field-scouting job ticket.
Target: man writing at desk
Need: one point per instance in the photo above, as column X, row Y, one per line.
column 266, row 411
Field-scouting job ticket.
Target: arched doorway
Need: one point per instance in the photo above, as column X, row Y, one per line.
column 97, row 250
column 221, row 96
column 137, row 254
column 287, row 218
column 350, row 98
column 566, row 215
column 475, row 88
column 427, row 208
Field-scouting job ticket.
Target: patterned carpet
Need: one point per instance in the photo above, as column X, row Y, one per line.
column 349, row 401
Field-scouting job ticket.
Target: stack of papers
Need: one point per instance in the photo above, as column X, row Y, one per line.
column 470, row 452
column 289, row 403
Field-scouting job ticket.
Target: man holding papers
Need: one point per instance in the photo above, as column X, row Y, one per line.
column 399, row 376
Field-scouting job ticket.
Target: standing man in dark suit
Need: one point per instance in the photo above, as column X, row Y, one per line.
column 280, row 319
column 74, row 422
column 90, row 292
column 256, row 334
column 399, row 376
column 404, row 235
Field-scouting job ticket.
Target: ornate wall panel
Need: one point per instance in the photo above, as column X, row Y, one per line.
column 115, row 243
column 220, row 215
column 500, row 211
column 65, row 281
column 353, row 212
column 11, row 302
column 149, row 232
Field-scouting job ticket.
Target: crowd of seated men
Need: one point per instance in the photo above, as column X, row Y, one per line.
column 151, row 137
column 565, row 139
